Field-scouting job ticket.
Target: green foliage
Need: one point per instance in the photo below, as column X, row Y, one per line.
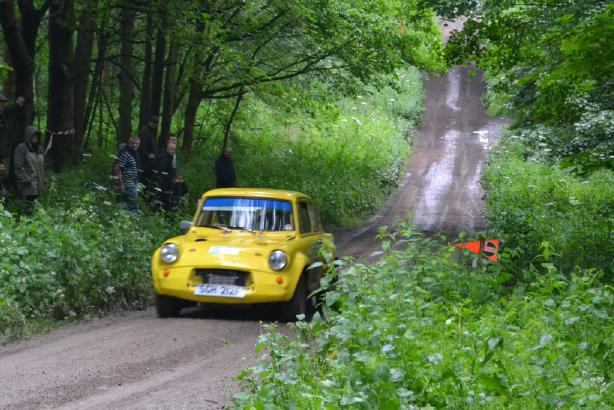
column 420, row 329
column 530, row 202
column 347, row 154
column 552, row 64
column 71, row 260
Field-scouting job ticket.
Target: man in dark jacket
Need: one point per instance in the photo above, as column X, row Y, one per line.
column 29, row 163
column 170, row 184
column 147, row 150
column 224, row 170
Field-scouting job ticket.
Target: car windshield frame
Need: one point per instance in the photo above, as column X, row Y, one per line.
column 252, row 214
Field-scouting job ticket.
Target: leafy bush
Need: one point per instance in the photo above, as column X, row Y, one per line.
column 420, row 329
column 65, row 262
column 348, row 155
column 550, row 63
column 530, row 202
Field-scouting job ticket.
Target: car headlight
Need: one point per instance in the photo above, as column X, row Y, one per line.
column 278, row 260
column 169, row 253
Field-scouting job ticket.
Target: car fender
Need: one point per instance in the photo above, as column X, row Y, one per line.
column 297, row 268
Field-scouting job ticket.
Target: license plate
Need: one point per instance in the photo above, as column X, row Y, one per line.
column 228, row 291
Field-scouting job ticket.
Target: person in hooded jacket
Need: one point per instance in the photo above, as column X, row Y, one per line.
column 29, row 165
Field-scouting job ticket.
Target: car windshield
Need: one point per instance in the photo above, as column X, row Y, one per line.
column 252, row 214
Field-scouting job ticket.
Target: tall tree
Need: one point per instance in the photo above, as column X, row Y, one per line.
column 144, row 112
column 158, row 70
column 60, row 105
column 20, row 32
column 169, row 93
column 81, row 69
column 126, row 76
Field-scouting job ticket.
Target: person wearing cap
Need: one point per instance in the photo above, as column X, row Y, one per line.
column 29, row 163
column 148, row 150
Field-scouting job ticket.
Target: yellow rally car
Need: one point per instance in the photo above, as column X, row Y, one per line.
column 244, row 246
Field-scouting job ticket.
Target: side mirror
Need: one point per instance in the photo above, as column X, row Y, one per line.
column 185, row 226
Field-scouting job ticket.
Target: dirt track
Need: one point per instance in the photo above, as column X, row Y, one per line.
column 440, row 190
column 137, row 361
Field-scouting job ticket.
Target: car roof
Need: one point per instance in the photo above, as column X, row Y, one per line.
column 255, row 192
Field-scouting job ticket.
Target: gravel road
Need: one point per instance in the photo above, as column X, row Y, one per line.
column 136, row 361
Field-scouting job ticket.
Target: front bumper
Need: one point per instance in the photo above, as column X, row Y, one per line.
column 261, row 286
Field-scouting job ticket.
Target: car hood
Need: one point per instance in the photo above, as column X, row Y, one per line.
column 234, row 249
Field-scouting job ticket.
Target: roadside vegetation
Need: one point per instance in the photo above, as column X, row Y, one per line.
column 422, row 328
column 65, row 263
column 550, row 183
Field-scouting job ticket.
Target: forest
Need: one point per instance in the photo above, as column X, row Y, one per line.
column 334, row 88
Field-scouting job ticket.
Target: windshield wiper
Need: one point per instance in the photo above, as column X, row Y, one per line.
column 222, row 227
column 242, row 228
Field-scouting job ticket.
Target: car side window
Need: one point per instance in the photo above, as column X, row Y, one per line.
column 303, row 216
column 315, row 218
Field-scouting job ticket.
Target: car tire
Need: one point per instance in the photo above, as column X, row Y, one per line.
column 299, row 304
column 167, row 306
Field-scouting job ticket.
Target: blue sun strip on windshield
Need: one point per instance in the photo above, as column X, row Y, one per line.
column 228, row 204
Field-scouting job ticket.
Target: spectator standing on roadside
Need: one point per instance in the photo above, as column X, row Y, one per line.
column 148, row 150
column 224, row 170
column 170, row 184
column 171, row 139
column 29, row 163
column 127, row 173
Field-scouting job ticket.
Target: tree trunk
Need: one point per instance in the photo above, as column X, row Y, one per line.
column 158, row 74
column 20, row 37
column 144, row 112
column 169, row 94
column 126, row 87
column 232, row 117
column 83, row 59
column 60, row 106
column 94, row 93
column 194, row 99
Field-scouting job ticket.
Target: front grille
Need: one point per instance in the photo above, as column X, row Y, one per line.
column 223, row 276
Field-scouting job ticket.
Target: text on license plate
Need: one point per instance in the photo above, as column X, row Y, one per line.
column 229, row 291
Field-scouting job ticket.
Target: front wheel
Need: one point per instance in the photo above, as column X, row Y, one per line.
column 300, row 304
column 167, row 306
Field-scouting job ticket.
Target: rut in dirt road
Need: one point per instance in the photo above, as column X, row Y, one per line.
column 141, row 362
column 440, row 190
